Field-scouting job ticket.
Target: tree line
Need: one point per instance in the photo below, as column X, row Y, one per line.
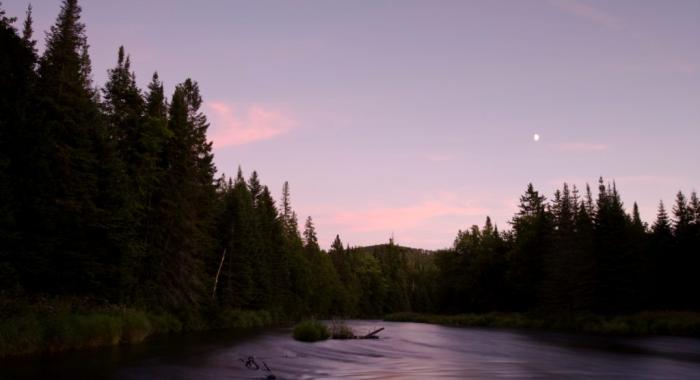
column 111, row 194
column 576, row 254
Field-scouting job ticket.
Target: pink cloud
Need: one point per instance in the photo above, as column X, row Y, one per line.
column 232, row 126
column 402, row 218
column 588, row 12
column 582, row 147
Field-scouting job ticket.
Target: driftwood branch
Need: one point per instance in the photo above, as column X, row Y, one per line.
column 216, row 279
column 373, row 334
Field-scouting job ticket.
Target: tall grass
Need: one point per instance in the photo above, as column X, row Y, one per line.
column 59, row 328
column 65, row 331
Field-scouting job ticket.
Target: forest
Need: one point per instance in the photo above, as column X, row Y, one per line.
column 109, row 198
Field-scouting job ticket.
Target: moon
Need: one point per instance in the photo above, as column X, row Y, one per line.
column 536, row 137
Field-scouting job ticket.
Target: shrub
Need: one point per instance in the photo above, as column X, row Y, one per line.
column 311, row 331
column 135, row 326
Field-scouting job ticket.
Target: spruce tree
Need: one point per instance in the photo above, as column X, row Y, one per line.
column 663, row 259
column 28, row 31
column 15, row 80
column 310, row 239
column 532, row 231
column 685, row 250
column 75, row 199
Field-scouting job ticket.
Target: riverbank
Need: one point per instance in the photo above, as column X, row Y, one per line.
column 54, row 328
column 676, row 323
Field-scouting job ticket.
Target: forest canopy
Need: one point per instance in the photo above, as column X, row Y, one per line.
column 110, row 194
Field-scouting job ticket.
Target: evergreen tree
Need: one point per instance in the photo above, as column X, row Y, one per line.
column 254, row 185
column 584, row 266
column 560, row 264
column 73, row 202
column 15, row 91
column 683, row 215
column 310, row 239
column 615, row 264
column 28, row 31
column 637, row 223
column 686, row 247
column 186, row 208
column 532, row 232
column 274, row 272
column 662, row 256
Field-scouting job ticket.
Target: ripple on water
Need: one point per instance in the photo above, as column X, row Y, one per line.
column 404, row 351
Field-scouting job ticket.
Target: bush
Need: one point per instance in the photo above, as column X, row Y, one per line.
column 165, row 323
column 311, row 331
column 236, row 318
column 20, row 335
column 135, row 326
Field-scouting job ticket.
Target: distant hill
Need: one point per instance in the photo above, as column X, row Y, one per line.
column 383, row 247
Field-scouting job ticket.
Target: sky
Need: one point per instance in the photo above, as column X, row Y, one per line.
column 416, row 118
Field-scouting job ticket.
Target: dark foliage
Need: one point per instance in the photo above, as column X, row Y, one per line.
column 115, row 201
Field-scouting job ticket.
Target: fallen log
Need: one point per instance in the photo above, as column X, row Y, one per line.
column 373, row 334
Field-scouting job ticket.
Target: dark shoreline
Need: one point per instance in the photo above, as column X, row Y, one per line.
column 36, row 333
column 648, row 323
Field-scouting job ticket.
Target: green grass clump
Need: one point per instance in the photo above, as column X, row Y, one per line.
column 165, row 323
column 136, row 326
column 69, row 331
column 237, row 318
column 311, row 331
column 20, row 335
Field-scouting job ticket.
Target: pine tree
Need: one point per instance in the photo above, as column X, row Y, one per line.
column 75, row 199
column 683, row 215
column 588, row 204
column 532, row 232
column 584, row 267
column 274, row 273
column 254, row 185
column 337, row 246
column 15, row 79
column 123, row 104
column 663, row 259
column 156, row 106
column 616, row 267
column 637, row 223
column 28, row 31
column 185, row 211
column 310, row 239
column 662, row 225
column 685, row 252
column 559, row 263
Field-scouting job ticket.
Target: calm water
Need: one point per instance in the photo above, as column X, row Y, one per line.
column 405, row 351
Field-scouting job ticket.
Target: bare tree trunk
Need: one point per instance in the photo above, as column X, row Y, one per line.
column 216, row 280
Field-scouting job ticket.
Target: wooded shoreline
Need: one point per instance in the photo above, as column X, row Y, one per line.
column 674, row 323
column 40, row 331
column 34, row 333
column 116, row 225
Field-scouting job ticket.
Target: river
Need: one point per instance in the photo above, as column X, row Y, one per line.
column 405, row 351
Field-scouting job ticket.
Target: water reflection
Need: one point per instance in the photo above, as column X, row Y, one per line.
column 405, row 351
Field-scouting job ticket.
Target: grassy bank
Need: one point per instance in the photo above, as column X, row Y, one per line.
column 53, row 329
column 639, row 324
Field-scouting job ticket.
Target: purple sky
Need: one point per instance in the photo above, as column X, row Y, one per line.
column 417, row 118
